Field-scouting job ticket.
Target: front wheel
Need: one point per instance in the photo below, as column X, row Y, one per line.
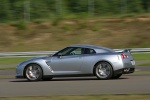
column 103, row 70
column 33, row 72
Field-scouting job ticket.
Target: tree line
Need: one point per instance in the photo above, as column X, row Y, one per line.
column 37, row 9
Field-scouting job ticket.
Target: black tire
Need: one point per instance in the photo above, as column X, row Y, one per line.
column 117, row 76
column 33, row 72
column 47, row 79
column 103, row 71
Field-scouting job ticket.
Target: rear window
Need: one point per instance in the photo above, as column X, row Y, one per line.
column 89, row 51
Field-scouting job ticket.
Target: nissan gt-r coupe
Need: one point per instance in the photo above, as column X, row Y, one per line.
column 78, row 60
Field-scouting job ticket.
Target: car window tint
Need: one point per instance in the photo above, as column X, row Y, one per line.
column 89, row 51
column 66, row 51
column 76, row 51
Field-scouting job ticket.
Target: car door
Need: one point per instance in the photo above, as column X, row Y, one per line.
column 69, row 62
column 88, row 60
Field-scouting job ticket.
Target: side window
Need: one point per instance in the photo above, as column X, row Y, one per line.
column 70, row 51
column 77, row 51
column 64, row 51
column 89, row 51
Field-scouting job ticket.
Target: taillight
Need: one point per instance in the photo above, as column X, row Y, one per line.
column 124, row 56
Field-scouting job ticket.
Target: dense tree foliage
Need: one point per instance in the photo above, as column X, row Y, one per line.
column 36, row 9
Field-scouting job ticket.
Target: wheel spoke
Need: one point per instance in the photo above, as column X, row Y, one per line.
column 30, row 68
column 100, row 66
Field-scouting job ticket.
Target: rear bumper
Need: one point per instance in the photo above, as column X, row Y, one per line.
column 124, row 71
column 128, row 70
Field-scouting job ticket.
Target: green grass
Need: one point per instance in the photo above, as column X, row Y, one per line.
column 141, row 56
column 8, row 68
column 84, row 97
column 14, row 60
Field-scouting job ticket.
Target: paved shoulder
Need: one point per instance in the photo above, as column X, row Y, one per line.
column 142, row 68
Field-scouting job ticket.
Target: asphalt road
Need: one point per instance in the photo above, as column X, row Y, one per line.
column 127, row 84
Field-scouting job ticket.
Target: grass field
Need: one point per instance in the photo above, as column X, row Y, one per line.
column 84, row 97
column 13, row 60
column 141, row 56
column 125, row 32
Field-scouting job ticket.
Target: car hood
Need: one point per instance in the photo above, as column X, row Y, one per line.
column 37, row 58
column 33, row 60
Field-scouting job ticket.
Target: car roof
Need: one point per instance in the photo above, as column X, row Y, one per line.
column 91, row 46
column 84, row 46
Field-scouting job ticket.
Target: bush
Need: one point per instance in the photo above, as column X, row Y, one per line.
column 67, row 27
column 56, row 21
column 19, row 25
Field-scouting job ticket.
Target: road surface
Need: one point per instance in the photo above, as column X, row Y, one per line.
column 127, row 84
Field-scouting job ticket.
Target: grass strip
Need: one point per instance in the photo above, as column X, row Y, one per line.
column 141, row 56
column 13, row 60
column 84, row 97
column 8, row 68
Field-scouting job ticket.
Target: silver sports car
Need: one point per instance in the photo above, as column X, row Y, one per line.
column 78, row 60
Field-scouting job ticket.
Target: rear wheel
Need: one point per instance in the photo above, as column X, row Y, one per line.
column 33, row 72
column 103, row 70
column 117, row 76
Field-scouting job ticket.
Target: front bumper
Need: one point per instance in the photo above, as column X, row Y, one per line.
column 19, row 71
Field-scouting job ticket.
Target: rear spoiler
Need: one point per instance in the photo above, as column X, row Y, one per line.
column 123, row 50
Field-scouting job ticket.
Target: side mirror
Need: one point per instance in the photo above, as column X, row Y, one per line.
column 59, row 55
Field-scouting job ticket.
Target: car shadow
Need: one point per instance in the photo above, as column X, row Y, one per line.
column 67, row 79
column 83, row 79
